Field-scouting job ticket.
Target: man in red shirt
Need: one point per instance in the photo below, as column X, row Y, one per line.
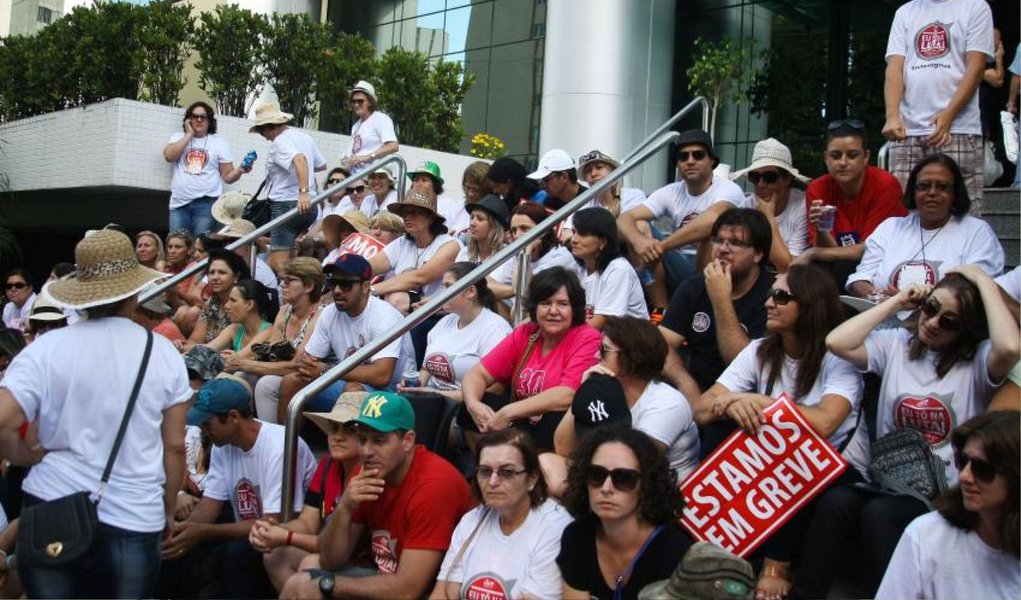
column 408, row 498
column 864, row 196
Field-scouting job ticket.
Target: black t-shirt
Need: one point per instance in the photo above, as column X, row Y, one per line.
column 579, row 563
column 691, row 315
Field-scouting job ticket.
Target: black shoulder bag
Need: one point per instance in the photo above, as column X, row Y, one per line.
column 57, row 532
column 258, row 212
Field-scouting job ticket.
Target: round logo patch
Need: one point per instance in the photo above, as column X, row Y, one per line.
column 439, row 366
column 247, row 501
column 933, row 41
column 930, row 414
column 700, row 322
column 486, row 587
column 915, row 271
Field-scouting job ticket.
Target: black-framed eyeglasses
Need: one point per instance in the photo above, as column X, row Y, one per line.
column 624, row 480
column 545, row 180
column 939, row 186
column 344, row 284
column 286, row 280
column 931, row 308
column 358, row 189
column 780, row 297
column 697, row 155
column 856, row 124
column 20, row 285
column 503, row 473
column 981, row 469
column 768, row 177
column 734, row 242
column 604, row 350
column 199, row 117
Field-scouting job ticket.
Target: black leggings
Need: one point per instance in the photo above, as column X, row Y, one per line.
column 843, row 513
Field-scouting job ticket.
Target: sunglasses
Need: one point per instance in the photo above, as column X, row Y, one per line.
column 697, row 155
column 503, row 473
column 931, row 308
column 768, row 177
column 17, row 286
column 358, row 101
column 940, row 186
column 848, row 123
column 624, row 480
column 199, row 117
column 358, row 189
column 780, row 297
column 344, row 284
column 982, row 470
column 332, row 182
column 604, row 350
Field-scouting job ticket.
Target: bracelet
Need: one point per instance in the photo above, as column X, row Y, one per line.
column 290, row 537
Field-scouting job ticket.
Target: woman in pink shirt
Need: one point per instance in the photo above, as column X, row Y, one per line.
column 540, row 363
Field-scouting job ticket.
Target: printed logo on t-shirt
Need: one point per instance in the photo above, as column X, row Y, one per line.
column 530, row 382
column 487, row 586
column 246, row 500
column 915, row 271
column 933, row 41
column 384, row 551
column 356, row 146
column 439, row 366
column 932, row 415
column 688, row 219
column 700, row 322
column 590, row 311
column 194, row 161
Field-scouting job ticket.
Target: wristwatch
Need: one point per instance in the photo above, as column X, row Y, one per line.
column 303, row 190
column 326, row 583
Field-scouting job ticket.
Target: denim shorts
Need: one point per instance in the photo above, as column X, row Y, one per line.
column 283, row 236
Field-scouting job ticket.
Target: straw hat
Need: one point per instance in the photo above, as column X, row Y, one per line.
column 331, row 225
column 107, row 271
column 416, row 198
column 230, row 206
column 771, row 153
column 596, row 156
column 235, row 229
column 267, row 112
column 346, row 409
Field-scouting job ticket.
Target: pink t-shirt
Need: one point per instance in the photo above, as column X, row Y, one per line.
column 564, row 365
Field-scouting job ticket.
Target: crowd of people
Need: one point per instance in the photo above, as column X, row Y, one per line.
column 656, row 326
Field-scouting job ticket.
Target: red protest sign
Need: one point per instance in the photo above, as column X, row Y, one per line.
column 750, row 486
column 362, row 244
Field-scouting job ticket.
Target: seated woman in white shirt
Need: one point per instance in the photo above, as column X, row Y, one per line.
column 970, row 546
column 935, row 237
column 612, row 288
column 792, row 359
column 487, row 229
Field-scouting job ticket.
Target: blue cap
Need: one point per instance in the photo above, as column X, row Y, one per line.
column 216, row 397
column 350, row 264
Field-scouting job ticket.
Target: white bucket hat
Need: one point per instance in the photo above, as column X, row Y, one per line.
column 267, row 112
column 366, row 88
column 771, row 153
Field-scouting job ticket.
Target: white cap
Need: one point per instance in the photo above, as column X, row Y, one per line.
column 553, row 161
column 366, row 88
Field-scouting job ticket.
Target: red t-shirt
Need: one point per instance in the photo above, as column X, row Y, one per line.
column 326, row 486
column 418, row 514
column 564, row 365
column 169, row 330
column 856, row 219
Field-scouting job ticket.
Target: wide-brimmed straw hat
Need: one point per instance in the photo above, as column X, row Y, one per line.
column 230, row 206
column 416, row 197
column 331, row 225
column 346, row 409
column 267, row 112
column 771, row 153
column 237, row 228
column 107, row 271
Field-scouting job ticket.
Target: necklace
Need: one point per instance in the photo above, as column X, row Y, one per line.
column 925, row 242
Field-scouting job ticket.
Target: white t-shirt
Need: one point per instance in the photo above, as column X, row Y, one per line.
column 673, row 200
column 404, row 255
column 326, row 208
column 3, row 520
column 76, row 381
column 934, row 36
column 508, row 566
column 1010, row 282
column 792, row 222
column 837, row 376
column 664, row 414
column 345, row 335
column 251, row 481
column 17, row 318
column 370, row 134
column 197, row 170
column 629, row 198
column 451, row 352
column 934, row 559
column 894, row 254
column 264, row 274
column 283, row 179
column 370, row 206
column 451, row 209
column 616, row 292
column 913, row 395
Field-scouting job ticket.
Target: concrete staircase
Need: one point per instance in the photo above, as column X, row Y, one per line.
column 1002, row 210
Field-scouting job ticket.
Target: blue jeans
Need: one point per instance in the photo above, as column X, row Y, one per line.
column 679, row 266
column 196, row 216
column 324, row 400
column 120, row 564
column 283, row 236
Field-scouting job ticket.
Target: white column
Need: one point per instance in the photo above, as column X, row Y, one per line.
column 607, row 78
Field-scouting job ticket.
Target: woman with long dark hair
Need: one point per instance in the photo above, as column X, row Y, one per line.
column 792, row 359
column 970, row 546
column 249, row 306
column 225, row 269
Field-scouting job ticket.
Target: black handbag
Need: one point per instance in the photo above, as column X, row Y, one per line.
column 281, row 351
column 54, row 533
column 258, row 212
column 904, row 464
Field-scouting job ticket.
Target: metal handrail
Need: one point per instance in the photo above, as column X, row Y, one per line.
column 316, row 201
column 883, row 157
column 698, row 101
column 483, row 269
